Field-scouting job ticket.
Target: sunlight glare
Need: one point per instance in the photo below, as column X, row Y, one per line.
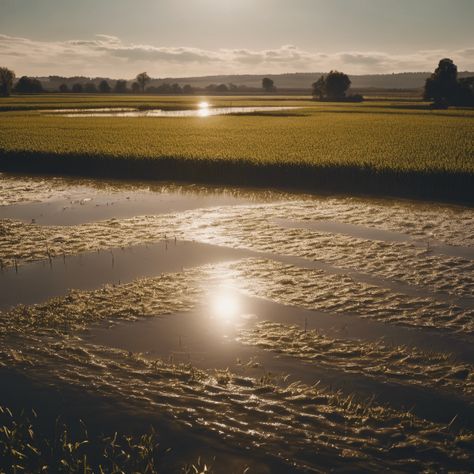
column 203, row 109
column 224, row 306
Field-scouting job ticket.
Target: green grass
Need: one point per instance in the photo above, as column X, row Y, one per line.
column 26, row 445
column 378, row 146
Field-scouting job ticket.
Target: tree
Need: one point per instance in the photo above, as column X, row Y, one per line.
column 466, row 91
column 143, row 78
column 268, row 85
column 63, row 88
column 77, row 88
column 104, row 87
column 135, row 87
column 176, row 88
column 444, row 88
column 90, row 88
column 222, row 88
column 28, row 85
column 336, row 85
column 120, row 86
column 319, row 88
column 6, row 81
column 187, row 89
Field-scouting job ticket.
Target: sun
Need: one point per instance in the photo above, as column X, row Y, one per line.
column 203, row 105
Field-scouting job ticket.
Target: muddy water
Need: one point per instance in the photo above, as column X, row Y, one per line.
column 358, row 271
column 64, row 202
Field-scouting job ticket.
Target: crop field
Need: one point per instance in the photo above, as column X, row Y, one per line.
column 154, row 317
column 400, row 147
column 162, row 327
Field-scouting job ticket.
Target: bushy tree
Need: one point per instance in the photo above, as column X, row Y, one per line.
column 336, row 85
column 333, row 87
column 268, row 85
column 143, row 79
column 77, row 88
column 28, row 85
column 135, row 87
column 104, row 87
column 63, row 88
column 319, row 88
column 7, row 77
column 120, row 87
column 444, row 88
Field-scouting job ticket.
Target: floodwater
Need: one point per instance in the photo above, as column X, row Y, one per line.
column 110, row 289
column 206, row 111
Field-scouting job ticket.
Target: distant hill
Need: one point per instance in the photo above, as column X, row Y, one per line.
column 297, row 81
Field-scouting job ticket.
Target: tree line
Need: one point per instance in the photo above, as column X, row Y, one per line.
column 443, row 87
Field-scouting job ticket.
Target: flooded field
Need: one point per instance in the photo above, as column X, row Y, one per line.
column 203, row 110
column 259, row 330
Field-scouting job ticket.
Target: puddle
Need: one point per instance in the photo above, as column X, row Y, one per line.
column 200, row 112
column 206, row 339
column 84, row 203
column 36, row 282
column 96, row 205
column 39, row 281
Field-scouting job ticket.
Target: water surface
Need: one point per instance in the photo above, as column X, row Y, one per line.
column 200, row 112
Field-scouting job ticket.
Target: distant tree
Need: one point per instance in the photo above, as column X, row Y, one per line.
column 319, row 88
column 187, row 89
column 176, row 88
column 77, row 88
column 135, row 87
column 143, row 78
column 104, row 87
column 233, row 87
column 336, row 85
column 6, row 81
column 90, row 88
column 164, row 88
column 120, row 87
column 268, row 85
column 63, row 88
column 222, row 88
column 444, row 88
column 28, row 85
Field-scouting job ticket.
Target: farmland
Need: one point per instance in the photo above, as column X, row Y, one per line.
column 396, row 147
column 191, row 326
column 172, row 321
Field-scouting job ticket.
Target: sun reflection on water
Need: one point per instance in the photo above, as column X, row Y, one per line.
column 224, row 305
column 203, row 109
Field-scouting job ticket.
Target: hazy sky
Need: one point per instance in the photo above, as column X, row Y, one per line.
column 119, row 38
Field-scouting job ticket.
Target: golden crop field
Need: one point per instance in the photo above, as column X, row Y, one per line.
column 375, row 136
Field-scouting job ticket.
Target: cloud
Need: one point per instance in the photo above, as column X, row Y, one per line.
column 106, row 55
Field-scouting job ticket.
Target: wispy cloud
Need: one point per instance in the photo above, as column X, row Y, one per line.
column 110, row 56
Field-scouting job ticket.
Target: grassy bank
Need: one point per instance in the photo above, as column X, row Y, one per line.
column 378, row 147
